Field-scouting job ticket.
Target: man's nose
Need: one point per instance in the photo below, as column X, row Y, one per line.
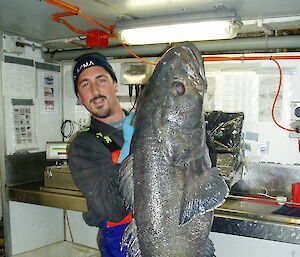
column 95, row 89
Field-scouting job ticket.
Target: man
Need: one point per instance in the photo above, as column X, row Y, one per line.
column 94, row 152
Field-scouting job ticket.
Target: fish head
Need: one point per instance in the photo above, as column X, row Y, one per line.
column 172, row 103
column 184, row 64
column 180, row 83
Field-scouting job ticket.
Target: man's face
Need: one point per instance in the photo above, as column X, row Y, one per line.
column 97, row 92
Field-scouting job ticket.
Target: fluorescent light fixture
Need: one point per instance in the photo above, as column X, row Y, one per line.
column 220, row 24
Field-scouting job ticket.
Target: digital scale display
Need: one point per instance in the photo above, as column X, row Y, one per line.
column 57, row 150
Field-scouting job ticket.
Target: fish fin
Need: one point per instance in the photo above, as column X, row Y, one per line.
column 126, row 180
column 210, row 249
column 202, row 192
column 130, row 240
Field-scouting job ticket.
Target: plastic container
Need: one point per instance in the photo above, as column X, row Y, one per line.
column 62, row 249
column 296, row 193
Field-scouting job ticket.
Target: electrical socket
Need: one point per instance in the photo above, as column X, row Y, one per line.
column 295, row 118
column 295, row 110
column 14, row 45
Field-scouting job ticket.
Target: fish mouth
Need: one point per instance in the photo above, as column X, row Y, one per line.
column 190, row 48
column 197, row 61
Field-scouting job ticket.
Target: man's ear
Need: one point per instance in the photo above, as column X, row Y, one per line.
column 116, row 86
column 78, row 96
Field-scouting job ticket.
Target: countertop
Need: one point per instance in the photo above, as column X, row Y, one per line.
column 238, row 215
column 36, row 193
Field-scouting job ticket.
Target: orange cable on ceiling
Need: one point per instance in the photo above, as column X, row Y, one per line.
column 136, row 56
column 64, row 5
column 74, row 11
column 57, row 18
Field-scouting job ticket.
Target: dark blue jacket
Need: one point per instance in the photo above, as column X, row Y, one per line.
column 96, row 175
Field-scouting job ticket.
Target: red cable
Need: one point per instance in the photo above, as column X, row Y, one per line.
column 276, row 97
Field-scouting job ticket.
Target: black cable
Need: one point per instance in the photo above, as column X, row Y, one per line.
column 138, row 89
column 130, row 91
column 63, row 127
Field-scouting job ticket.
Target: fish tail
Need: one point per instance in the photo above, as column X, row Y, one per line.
column 210, row 249
column 130, row 240
column 203, row 192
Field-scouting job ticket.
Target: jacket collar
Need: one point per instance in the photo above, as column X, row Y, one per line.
column 105, row 128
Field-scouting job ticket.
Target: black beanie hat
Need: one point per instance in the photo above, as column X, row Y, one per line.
column 88, row 60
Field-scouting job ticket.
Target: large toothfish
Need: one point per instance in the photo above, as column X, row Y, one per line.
column 168, row 179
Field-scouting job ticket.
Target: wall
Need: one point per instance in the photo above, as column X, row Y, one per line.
column 236, row 246
column 26, row 226
column 34, row 226
column 78, row 232
column 250, row 87
column 31, row 81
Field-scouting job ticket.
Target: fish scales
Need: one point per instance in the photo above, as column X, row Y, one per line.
column 172, row 187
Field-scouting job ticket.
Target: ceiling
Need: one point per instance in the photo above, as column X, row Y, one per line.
column 31, row 18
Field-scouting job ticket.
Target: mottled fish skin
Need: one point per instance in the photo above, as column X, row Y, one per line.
column 175, row 188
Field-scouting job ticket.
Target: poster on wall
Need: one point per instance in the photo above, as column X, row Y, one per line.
column 18, row 80
column 49, row 98
column 48, row 91
column 24, row 125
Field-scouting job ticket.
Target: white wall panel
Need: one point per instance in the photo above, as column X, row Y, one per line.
column 33, row 226
column 237, row 246
column 80, row 231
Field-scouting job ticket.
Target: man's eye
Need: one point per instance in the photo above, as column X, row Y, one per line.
column 101, row 80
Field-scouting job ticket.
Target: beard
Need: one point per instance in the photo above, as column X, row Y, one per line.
column 102, row 111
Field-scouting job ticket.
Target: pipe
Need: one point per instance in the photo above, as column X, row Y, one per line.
column 64, row 40
column 258, row 43
column 119, row 51
column 255, row 43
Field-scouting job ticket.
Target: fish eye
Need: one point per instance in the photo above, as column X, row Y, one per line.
column 178, row 88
